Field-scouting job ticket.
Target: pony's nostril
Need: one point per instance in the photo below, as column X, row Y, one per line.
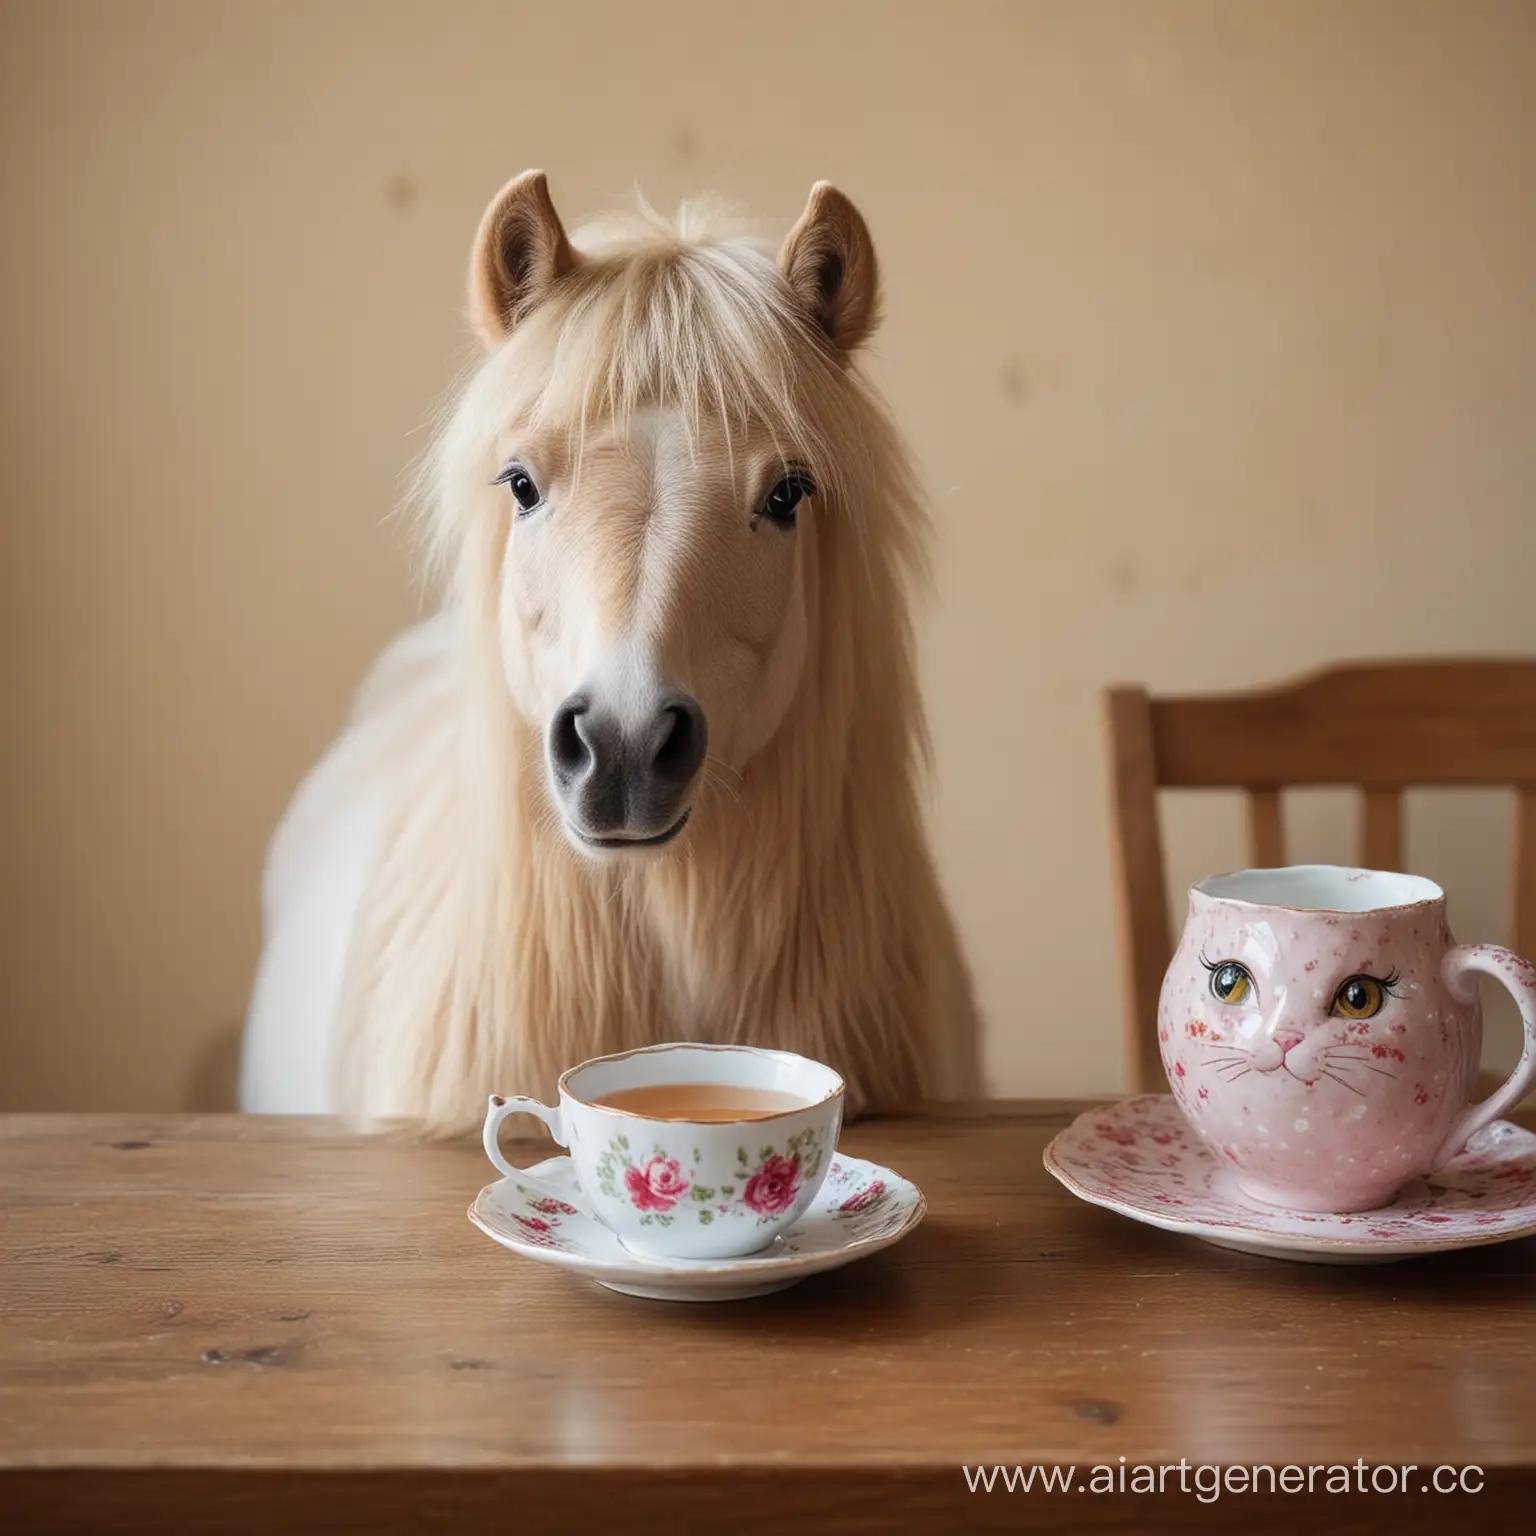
column 681, row 741
column 674, row 741
column 568, row 749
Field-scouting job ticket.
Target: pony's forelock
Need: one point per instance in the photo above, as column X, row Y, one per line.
column 690, row 314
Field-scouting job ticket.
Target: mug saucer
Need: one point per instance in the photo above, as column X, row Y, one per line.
column 860, row 1208
column 1140, row 1158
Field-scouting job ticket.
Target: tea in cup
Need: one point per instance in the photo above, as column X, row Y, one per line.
column 1321, row 1032
column 690, row 1151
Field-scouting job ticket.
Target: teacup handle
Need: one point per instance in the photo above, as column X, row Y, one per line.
column 500, row 1108
column 1520, row 977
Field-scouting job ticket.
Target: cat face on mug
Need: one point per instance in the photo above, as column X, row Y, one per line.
column 1335, row 1028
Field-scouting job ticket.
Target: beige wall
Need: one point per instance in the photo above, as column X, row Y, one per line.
column 1213, row 327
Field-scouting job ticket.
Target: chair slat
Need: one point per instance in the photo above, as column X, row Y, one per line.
column 1381, row 828
column 1141, row 894
column 1266, row 836
column 1523, row 927
column 1426, row 722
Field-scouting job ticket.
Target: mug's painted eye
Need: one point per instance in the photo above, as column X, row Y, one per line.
column 1230, row 982
column 1360, row 997
column 780, row 504
column 524, row 492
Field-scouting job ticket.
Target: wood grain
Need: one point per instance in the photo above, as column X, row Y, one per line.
column 1523, row 880
column 220, row 1323
column 1422, row 722
column 1381, row 828
column 1266, row 835
column 1141, row 899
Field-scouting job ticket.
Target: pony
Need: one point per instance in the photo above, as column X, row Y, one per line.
column 654, row 769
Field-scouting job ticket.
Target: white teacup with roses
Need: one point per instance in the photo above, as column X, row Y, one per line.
column 680, row 1189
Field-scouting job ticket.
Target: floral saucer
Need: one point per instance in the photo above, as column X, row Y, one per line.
column 859, row 1209
column 1140, row 1158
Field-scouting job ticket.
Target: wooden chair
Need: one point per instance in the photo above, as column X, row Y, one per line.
column 1380, row 726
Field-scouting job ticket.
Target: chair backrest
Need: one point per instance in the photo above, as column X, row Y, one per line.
column 1380, row 726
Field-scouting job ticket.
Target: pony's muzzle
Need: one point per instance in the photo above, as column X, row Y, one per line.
column 625, row 781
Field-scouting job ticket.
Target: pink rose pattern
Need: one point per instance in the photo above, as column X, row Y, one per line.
column 541, row 1230
column 656, row 1186
column 538, row 1231
column 664, row 1187
column 774, row 1186
column 873, row 1206
column 865, row 1199
column 549, row 1206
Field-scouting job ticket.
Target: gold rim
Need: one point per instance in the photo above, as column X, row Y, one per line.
column 835, row 1092
column 1437, row 900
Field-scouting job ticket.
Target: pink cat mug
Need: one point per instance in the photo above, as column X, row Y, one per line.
column 1321, row 1032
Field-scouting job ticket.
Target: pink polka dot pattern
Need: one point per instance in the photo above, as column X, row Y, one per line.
column 1142, row 1159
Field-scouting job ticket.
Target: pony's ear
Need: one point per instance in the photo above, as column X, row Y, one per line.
column 520, row 252
column 829, row 261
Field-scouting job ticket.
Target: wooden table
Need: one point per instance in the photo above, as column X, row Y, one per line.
column 214, row 1323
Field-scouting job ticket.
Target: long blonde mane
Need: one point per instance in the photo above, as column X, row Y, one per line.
column 804, row 911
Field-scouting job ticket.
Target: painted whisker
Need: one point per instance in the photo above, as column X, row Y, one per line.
column 1340, row 1081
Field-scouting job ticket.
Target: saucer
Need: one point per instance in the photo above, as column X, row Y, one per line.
column 859, row 1209
column 1141, row 1158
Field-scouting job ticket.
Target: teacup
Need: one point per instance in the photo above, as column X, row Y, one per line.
column 681, row 1189
column 1321, row 1032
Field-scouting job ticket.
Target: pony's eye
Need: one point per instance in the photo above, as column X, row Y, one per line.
column 1360, row 997
column 1230, row 982
column 780, row 503
column 520, row 483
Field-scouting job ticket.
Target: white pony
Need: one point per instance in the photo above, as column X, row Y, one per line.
column 653, row 772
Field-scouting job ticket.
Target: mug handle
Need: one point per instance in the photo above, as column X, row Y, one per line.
column 1520, row 977
column 499, row 1109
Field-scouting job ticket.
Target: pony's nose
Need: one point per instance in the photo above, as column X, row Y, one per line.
column 625, row 779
